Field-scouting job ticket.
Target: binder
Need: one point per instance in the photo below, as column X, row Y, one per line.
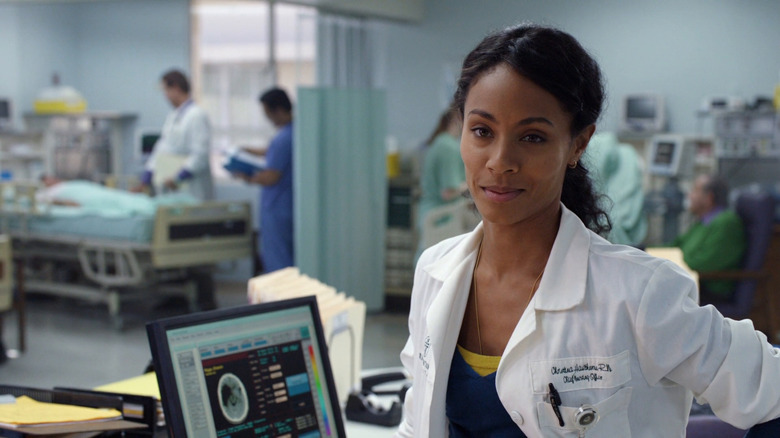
column 67, row 397
column 138, row 408
column 343, row 320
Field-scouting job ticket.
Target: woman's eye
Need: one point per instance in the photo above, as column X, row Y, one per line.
column 532, row 138
column 480, row 132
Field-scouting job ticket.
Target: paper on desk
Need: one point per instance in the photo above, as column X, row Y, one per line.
column 29, row 412
column 145, row 385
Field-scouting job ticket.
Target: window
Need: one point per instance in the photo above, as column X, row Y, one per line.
column 235, row 58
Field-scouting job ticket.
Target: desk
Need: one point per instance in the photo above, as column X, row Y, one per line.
column 353, row 430
column 361, row 430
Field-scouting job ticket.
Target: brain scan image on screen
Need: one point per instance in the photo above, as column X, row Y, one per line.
column 233, row 398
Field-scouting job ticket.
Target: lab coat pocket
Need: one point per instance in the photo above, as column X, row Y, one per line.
column 608, row 417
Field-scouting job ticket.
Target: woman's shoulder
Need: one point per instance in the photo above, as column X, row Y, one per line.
column 643, row 271
column 627, row 259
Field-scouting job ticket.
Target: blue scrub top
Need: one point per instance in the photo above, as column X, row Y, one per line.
column 276, row 205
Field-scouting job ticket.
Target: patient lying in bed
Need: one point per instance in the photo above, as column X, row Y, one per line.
column 90, row 196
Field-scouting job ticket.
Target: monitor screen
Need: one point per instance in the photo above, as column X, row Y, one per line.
column 643, row 112
column 664, row 153
column 671, row 155
column 5, row 113
column 259, row 370
column 148, row 140
column 641, row 108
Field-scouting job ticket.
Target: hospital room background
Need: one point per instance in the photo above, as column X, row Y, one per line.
column 369, row 81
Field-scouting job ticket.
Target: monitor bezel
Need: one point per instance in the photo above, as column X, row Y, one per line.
column 673, row 168
column 654, row 125
column 140, row 133
column 6, row 122
column 158, row 342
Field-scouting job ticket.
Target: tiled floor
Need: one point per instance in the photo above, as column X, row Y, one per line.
column 72, row 343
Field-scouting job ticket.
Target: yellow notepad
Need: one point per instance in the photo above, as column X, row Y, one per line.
column 29, row 412
column 145, row 385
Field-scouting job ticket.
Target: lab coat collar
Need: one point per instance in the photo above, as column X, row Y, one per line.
column 443, row 267
column 565, row 275
column 182, row 109
column 563, row 283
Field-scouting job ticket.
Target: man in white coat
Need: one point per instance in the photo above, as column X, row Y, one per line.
column 180, row 159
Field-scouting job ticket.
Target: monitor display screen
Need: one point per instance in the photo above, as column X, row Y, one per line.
column 671, row 155
column 643, row 112
column 148, row 141
column 641, row 108
column 251, row 371
column 5, row 109
column 664, row 153
column 5, row 113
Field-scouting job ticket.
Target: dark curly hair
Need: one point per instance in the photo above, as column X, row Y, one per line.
column 556, row 62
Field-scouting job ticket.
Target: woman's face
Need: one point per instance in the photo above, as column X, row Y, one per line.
column 516, row 144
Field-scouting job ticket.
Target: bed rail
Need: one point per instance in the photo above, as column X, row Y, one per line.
column 110, row 267
column 201, row 234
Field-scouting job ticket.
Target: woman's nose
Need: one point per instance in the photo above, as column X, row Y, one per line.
column 503, row 159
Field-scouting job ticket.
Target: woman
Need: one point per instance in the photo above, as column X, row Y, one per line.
column 533, row 324
column 443, row 177
column 443, row 174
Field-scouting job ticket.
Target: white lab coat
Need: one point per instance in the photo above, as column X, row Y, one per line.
column 187, row 134
column 609, row 326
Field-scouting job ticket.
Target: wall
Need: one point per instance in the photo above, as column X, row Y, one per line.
column 685, row 50
column 112, row 52
column 9, row 53
column 124, row 47
column 115, row 51
column 411, row 10
column 37, row 40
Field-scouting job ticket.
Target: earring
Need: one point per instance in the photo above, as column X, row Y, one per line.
column 573, row 165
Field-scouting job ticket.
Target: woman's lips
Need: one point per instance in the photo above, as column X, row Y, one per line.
column 501, row 194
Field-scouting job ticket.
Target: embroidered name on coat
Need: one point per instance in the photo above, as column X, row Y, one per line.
column 581, row 372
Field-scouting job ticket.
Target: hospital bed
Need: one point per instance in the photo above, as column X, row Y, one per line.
column 448, row 220
column 109, row 258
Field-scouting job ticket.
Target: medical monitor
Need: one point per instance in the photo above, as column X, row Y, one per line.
column 670, row 155
column 145, row 140
column 643, row 113
column 255, row 370
column 6, row 114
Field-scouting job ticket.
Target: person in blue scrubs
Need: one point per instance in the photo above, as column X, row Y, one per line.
column 276, row 199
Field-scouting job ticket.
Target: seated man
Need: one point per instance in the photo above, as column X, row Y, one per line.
column 716, row 241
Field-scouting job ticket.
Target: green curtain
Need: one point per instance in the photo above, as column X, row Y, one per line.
column 341, row 189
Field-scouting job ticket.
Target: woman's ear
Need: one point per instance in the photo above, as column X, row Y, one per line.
column 581, row 141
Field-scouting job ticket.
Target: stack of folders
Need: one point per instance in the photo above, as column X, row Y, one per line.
column 343, row 320
column 40, row 412
column 137, row 390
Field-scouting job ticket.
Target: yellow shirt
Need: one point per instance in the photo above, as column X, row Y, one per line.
column 481, row 364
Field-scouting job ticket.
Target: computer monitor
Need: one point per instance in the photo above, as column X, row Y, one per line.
column 644, row 112
column 255, row 370
column 6, row 113
column 670, row 155
column 146, row 139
